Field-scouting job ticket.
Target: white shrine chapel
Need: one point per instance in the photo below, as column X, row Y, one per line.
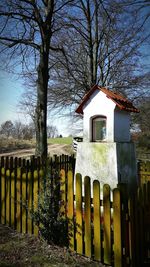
column 107, row 152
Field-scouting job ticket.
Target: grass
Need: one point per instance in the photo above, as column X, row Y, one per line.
column 58, row 140
column 21, row 148
column 11, row 144
column 22, row 250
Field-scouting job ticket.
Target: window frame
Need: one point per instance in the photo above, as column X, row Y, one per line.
column 102, row 117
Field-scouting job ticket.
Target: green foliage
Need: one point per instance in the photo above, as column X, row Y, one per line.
column 52, row 225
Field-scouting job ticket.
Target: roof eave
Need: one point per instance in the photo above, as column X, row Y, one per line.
column 79, row 110
column 128, row 109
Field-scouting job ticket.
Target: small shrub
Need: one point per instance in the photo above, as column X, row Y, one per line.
column 52, row 225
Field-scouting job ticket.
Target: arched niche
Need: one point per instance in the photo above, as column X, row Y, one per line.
column 98, row 128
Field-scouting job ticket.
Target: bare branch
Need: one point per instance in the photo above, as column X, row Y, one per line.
column 12, row 42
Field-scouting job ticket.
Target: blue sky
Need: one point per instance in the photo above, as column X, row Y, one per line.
column 10, row 92
column 11, row 89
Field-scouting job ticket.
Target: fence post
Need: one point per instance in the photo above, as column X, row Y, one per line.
column 79, row 225
column 97, row 221
column 3, row 196
column 63, row 192
column 124, row 224
column 107, row 224
column 87, row 217
column 18, row 201
column 35, row 198
column 13, row 199
column 140, row 224
column 117, row 228
column 70, row 213
column 8, row 192
column 2, row 162
column 25, row 178
column 134, row 231
column 147, row 221
column 30, row 199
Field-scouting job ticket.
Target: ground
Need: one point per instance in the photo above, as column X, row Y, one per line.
column 22, row 250
column 25, row 149
column 57, row 149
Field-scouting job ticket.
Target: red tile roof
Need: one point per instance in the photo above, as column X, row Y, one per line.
column 120, row 101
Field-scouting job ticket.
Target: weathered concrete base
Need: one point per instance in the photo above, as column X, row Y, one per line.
column 110, row 163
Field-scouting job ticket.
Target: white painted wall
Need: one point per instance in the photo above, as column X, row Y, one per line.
column 98, row 161
column 98, row 104
column 118, row 121
column 110, row 163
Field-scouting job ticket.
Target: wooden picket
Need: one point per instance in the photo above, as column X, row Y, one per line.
column 117, row 228
column 35, row 197
column 96, row 223
column 63, row 193
column 18, row 201
column 29, row 190
column 87, row 217
column 79, row 226
column 3, row 193
column 70, row 208
column 12, row 222
column 144, row 171
column 107, row 224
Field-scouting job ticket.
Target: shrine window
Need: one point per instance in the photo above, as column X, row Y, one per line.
column 99, row 128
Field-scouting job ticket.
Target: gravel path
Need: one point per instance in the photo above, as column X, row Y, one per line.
column 58, row 149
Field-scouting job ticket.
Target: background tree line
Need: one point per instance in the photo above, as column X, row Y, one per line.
column 19, row 130
column 62, row 48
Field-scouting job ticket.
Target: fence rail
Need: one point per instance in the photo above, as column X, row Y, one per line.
column 34, row 163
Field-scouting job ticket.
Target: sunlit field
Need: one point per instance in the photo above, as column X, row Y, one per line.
column 58, row 140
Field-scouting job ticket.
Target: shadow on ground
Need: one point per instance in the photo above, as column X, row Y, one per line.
column 22, row 250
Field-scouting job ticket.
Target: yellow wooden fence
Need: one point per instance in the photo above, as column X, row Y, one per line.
column 19, row 187
column 19, row 194
column 108, row 227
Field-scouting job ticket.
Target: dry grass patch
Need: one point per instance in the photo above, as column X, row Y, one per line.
column 22, row 250
column 11, row 144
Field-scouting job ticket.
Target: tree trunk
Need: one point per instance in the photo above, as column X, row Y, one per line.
column 96, row 44
column 41, row 107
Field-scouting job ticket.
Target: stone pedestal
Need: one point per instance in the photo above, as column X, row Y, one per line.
column 110, row 163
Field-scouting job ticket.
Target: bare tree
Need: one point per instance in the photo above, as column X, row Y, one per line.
column 52, row 131
column 102, row 46
column 23, row 131
column 27, row 29
column 142, row 119
column 17, row 131
column 67, row 46
column 27, row 103
column 7, row 128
